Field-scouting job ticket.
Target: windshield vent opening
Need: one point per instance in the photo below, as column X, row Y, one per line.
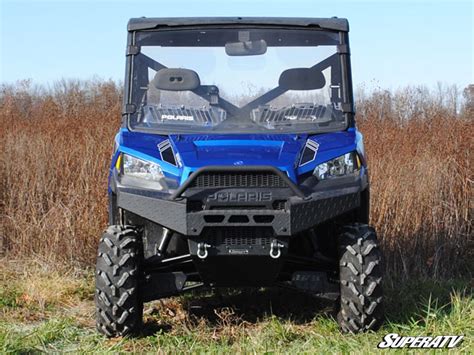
column 166, row 152
column 239, row 180
column 309, row 152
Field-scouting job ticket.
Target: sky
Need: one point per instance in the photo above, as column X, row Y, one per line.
column 393, row 43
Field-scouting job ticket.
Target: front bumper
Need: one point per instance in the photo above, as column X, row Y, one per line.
column 327, row 200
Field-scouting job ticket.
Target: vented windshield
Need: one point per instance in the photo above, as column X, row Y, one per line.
column 236, row 80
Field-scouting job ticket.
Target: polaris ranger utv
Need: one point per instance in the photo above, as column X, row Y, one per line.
column 238, row 164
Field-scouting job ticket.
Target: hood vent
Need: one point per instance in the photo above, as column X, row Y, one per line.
column 166, row 152
column 309, row 152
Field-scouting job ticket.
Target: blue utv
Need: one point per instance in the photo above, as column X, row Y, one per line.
column 238, row 164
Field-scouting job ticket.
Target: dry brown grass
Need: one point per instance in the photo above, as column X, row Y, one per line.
column 421, row 175
column 56, row 147
column 56, row 152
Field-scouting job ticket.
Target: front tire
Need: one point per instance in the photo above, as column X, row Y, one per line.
column 118, row 304
column 360, row 273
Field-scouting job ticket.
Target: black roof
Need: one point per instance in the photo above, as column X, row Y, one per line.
column 145, row 23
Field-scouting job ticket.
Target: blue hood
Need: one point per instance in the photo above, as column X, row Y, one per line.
column 195, row 151
column 276, row 150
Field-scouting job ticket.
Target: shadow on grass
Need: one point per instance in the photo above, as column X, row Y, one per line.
column 151, row 328
column 231, row 307
column 404, row 301
column 254, row 305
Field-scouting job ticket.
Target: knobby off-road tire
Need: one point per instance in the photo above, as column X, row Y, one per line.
column 118, row 304
column 360, row 272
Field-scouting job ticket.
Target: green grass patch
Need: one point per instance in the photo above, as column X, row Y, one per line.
column 263, row 321
column 9, row 297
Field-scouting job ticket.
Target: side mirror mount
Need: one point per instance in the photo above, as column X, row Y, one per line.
column 176, row 79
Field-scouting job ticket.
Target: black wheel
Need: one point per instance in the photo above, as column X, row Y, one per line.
column 118, row 304
column 360, row 273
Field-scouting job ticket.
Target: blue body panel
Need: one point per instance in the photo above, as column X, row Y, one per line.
column 279, row 150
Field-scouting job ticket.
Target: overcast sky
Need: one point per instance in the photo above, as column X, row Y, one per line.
column 393, row 43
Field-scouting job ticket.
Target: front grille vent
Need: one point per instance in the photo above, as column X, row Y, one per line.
column 238, row 179
column 231, row 242
column 239, row 236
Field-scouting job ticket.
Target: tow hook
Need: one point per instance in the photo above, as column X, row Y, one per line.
column 275, row 249
column 202, row 250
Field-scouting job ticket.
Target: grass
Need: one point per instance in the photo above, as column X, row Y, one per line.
column 52, row 310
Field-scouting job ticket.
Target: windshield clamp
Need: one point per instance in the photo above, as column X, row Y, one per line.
column 347, row 108
column 343, row 49
column 129, row 108
column 133, row 50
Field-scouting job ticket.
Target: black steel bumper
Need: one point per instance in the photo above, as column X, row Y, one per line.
column 300, row 211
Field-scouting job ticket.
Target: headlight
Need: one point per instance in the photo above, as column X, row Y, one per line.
column 143, row 169
column 341, row 166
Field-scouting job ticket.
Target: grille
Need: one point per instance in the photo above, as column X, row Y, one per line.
column 236, row 236
column 246, row 241
column 238, row 179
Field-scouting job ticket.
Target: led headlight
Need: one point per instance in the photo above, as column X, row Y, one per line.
column 341, row 166
column 142, row 169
